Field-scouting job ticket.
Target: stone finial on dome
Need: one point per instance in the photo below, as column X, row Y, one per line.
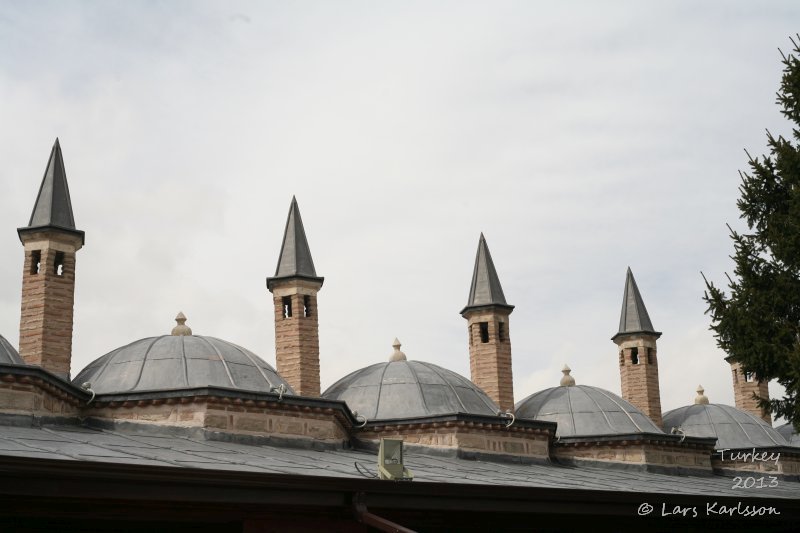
column 701, row 398
column 397, row 355
column 181, row 329
column 567, row 380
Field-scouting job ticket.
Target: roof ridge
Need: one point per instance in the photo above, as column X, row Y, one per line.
column 485, row 288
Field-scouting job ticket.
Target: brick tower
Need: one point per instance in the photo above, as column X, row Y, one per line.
column 489, row 337
column 294, row 292
column 48, row 277
column 745, row 385
column 638, row 359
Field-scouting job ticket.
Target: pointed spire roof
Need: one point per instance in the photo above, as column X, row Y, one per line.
column 634, row 317
column 295, row 257
column 53, row 207
column 485, row 289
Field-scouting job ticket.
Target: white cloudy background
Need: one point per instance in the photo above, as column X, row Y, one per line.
column 580, row 138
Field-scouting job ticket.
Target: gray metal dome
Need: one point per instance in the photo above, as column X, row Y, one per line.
column 409, row 389
column 582, row 410
column 787, row 432
column 179, row 362
column 732, row 427
column 9, row 354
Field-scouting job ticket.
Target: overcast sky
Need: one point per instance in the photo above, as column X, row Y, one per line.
column 581, row 138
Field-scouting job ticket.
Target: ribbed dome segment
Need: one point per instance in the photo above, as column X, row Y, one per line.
column 9, row 354
column 787, row 432
column 732, row 427
column 179, row 362
column 582, row 410
column 409, row 389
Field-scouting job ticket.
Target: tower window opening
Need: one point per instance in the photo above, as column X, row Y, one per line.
column 649, row 356
column 306, row 305
column 735, row 376
column 36, row 261
column 501, row 331
column 470, row 337
column 484, row 326
column 287, row 306
column 749, row 377
column 621, row 358
column 635, row 356
column 58, row 265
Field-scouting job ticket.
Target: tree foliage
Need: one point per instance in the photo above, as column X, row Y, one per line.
column 758, row 322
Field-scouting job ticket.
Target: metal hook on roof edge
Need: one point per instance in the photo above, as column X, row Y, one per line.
column 359, row 417
column 678, row 430
column 509, row 414
column 280, row 389
column 88, row 388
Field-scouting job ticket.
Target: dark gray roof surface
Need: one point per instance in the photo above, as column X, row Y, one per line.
column 485, row 288
column 114, row 446
column 733, row 427
column 583, row 410
column 53, row 205
column 787, row 432
column 295, row 258
column 9, row 354
column 409, row 389
column 175, row 362
column 634, row 317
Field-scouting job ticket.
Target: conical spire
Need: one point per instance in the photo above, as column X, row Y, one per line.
column 634, row 317
column 53, row 207
column 295, row 258
column 485, row 288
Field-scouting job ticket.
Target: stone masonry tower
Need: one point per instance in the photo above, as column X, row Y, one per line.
column 48, row 277
column 745, row 385
column 638, row 360
column 489, row 339
column 294, row 292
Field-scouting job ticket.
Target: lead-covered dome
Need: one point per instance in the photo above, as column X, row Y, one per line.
column 732, row 427
column 9, row 354
column 583, row 410
column 180, row 361
column 788, row 432
column 409, row 389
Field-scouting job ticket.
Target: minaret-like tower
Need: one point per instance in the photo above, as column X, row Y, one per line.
column 294, row 292
column 638, row 360
column 48, row 277
column 489, row 339
column 745, row 385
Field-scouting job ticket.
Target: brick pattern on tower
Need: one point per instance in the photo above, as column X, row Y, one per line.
column 638, row 370
column 297, row 334
column 48, row 293
column 744, row 387
column 490, row 355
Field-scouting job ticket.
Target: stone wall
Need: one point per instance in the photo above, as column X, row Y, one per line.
column 637, row 452
column 743, row 390
column 28, row 395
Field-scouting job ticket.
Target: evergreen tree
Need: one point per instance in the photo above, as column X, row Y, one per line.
column 758, row 322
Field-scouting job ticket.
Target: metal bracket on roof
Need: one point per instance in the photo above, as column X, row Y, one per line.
column 678, row 430
column 88, row 388
column 280, row 389
column 508, row 414
column 358, row 418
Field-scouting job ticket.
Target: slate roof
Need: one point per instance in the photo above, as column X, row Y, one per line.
column 733, row 427
column 75, row 443
column 295, row 257
column 53, row 207
column 485, row 288
column 583, row 410
column 179, row 361
column 409, row 389
column 634, row 317
column 788, row 433
column 9, row 354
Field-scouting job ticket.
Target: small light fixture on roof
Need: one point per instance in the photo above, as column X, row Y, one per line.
column 390, row 461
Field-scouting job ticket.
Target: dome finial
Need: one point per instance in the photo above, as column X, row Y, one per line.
column 397, row 355
column 567, row 380
column 181, row 329
column 701, row 398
